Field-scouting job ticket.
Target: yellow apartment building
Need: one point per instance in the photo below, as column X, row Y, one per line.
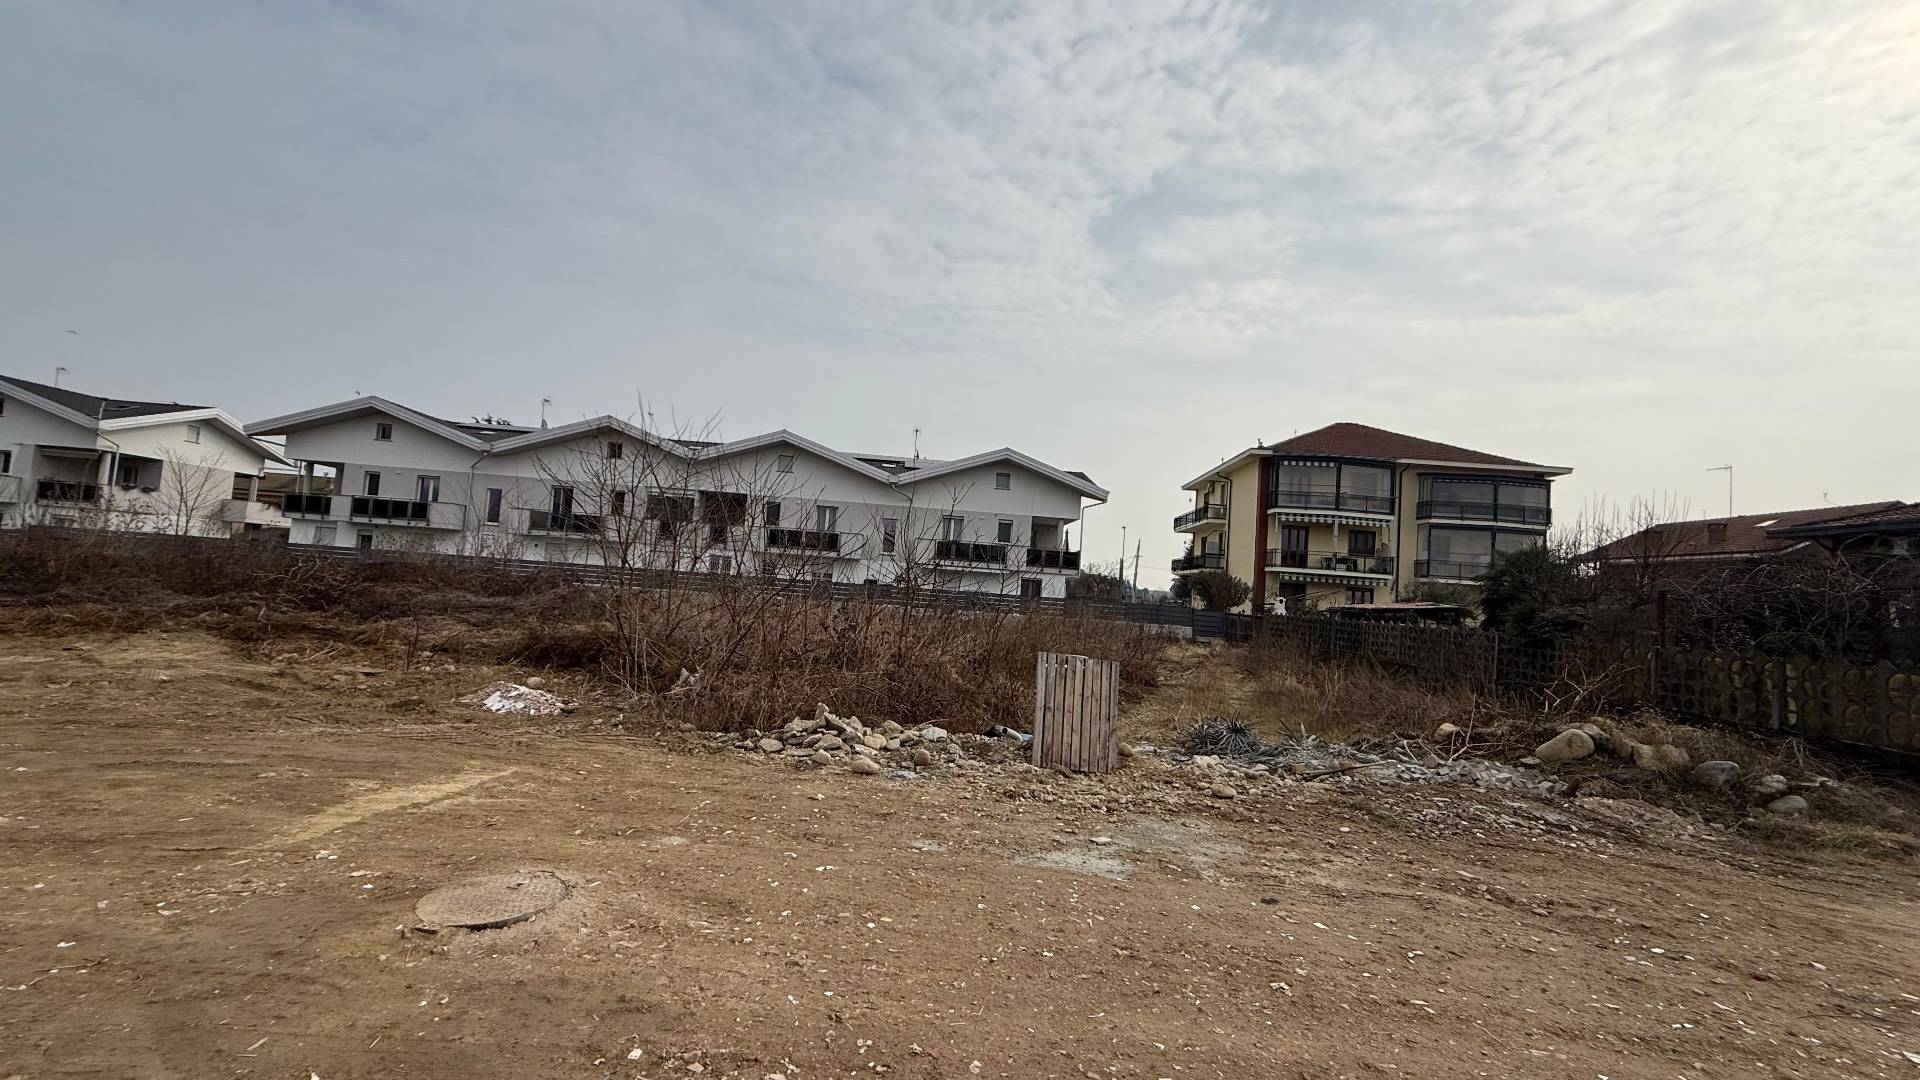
column 1351, row 514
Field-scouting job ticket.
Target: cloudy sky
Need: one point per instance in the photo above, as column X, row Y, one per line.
column 1638, row 239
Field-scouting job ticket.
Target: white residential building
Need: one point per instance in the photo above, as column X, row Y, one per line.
column 603, row 491
column 68, row 458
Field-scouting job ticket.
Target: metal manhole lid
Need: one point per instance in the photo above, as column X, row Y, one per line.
column 483, row 903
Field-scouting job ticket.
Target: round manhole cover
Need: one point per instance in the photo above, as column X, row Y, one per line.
column 495, row 900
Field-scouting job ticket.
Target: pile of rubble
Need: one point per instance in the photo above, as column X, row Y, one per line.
column 1250, row 759
column 885, row 747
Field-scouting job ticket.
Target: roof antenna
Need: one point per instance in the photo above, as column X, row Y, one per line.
column 59, row 371
column 916, row 444
column 544, row 402
column 1728, row 469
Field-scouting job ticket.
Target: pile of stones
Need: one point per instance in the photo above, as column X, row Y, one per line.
column 827, row 739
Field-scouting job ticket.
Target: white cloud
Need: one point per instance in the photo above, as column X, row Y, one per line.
column 1552, row 228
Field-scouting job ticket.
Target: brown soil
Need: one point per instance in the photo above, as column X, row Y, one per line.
column 207, row 862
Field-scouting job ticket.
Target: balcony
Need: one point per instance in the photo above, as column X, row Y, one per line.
column 1049, row 559
column 1330, row 562
column 1200, row 561
column 1458, row 510
column 302, row 505
column 66, row 491
column 1210, row 514
column 432, row 515
column 963, row 551
column 1330, row 502
column 803, row 540
column 1453, row 569
column 566, row 522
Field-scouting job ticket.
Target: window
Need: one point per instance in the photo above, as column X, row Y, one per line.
column 370, row 484
column 127, row 473
column 561, row 504
column 617, row 503
column 383, row 433
column 616, row 450
column 427, row 489
column 193, row 433
column 719, row 564
column 1030, row 588
column 826, row 518
column 495, row 497
column 889, row 535
column 6, row 461
column 365, row 541
column 1361, row 541
column 951, row 528
column 772, row 518
column 1002, row 481
column 3, row 406
column 783, row 463
column 1003, row 532
column 1359, row 596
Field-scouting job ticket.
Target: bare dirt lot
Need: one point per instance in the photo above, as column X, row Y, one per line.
column 207, row 863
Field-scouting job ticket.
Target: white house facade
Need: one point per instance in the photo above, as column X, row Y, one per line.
column 378, row 475
column 74, row 459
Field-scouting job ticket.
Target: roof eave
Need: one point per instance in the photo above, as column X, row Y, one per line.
column 282, row 425
column 53, row 407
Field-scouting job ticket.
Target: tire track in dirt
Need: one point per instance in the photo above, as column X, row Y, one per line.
column 380, row 802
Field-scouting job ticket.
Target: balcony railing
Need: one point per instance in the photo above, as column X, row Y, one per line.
column 300, row 503
column 563, row 522
column 379, row 509
column 1340, row 561
column 1330, row 500
column 73, row 491
column 9, row 489
column 1209, row 512
column 1049, row 559
column 1478, row 510
column 968, row 552
column 803, row 539
column 1453, row 569
column 1201, row 561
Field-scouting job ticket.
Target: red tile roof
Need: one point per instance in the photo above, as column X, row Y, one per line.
column 1362, row 441
column 1747, row 534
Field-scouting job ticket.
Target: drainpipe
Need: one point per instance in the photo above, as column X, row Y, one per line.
column 1399, row 508
column 1264, row 484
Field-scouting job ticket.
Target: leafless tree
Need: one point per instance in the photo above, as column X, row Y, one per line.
column 191, row 495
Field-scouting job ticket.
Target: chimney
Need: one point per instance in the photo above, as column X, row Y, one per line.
column 1716, row 532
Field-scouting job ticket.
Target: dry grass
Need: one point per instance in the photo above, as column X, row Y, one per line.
column 751, row 654
column 1863, row 806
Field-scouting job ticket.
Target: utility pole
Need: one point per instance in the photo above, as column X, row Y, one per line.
column 1125, row 593
column 1136, row 568
column 1728, row 469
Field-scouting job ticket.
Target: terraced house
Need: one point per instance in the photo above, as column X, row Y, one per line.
column 1352, row 514
column 82, row 460
column 375, row 474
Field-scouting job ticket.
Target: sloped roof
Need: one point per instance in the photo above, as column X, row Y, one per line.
column 1900, row 517
column 1348, row 439
column 95, row 407
column 1744, row 535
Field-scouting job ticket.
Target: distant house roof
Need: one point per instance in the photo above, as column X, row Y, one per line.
column 1363, row 441
column 1729, row 537
column 1897, row 518
column 95, row 407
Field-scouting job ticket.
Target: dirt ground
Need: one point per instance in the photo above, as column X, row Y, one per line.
column 208, row 862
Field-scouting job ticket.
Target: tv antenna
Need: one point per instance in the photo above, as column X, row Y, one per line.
column 1728, row 469
column 544, row 402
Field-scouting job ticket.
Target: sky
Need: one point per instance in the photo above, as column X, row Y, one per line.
column 1638, row 239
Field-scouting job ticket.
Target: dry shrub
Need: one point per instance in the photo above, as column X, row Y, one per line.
column 733, row 661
